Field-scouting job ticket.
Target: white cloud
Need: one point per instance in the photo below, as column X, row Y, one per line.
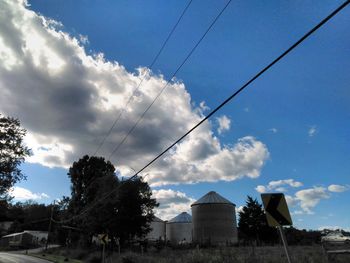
column 203, row 106
column 309, row 198
column 239, row 209
column 83, row 39
column 279, row 186
column 312, row 131
column 298, row 212
column 281, row 189
column 291, row 201
column 288, row 182
column 305, row 199
column 68, row 100
column 273, row 130
column 171, row 203
column 337, row 188
column 22, row 194
column 224, row 124
column 261, row 189
column 198, row 159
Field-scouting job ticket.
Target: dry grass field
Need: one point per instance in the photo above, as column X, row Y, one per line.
column 299, row 254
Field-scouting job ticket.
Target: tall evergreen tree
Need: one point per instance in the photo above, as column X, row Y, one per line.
column 253, row 225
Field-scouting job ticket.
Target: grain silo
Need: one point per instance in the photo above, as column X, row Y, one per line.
column 179, row 229
column 157, row 230
column 214, row 220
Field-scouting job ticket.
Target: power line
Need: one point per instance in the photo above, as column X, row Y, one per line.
column 247, row 83
column 167, row 83
column 138, row 86
column 304, row 37
column 87, row 209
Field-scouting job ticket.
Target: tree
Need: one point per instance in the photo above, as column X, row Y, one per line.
column 12, row 153
column 253, row 225
column 135, row 209
column 29, row 215
column 106, row 204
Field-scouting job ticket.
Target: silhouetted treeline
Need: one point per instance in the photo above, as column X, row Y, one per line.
column 25, row 216
column 100, row 202
column 253, row 228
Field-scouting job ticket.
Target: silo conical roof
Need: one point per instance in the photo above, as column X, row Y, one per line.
column 181, row 218
column 212, row 198
column 157, row 219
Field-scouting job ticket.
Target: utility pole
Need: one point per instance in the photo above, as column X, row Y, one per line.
column 50, row 223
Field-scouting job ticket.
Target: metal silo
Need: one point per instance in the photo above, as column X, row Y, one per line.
column 214, row 220
column 158, row 230
column 179, row 229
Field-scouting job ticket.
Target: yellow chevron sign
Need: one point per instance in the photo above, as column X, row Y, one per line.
column 276, row 209
column 104, row 238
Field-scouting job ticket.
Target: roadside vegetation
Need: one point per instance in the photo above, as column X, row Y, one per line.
column 55, row 258
column 265, row 254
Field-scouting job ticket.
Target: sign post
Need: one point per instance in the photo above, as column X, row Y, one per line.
column 285, row 245
column 117, row 242
column 104, row 240
column 277, row 215
column 103, row 253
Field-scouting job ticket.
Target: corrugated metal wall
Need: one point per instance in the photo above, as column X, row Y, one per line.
column 214, row 224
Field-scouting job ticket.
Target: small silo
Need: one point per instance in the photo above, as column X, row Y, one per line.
column 214, row 220
column 157, row 230
column 179, row 229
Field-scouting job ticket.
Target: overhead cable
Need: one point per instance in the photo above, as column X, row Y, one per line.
column 167, row 83
column 138, row 86
column 297, row 43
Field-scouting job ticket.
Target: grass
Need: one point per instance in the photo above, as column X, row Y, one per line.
column 56, row 258
column 300, row 254
column 271, row 254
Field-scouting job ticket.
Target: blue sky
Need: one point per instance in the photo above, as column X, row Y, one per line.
column 294, row 118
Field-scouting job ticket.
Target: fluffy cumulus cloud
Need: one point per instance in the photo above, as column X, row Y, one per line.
column 279, row 186
column 302, row 201
column 68, row 99
column 309, row 198
column 22, row 194
column 291, row 201
column 337, row 188
column 171, row 203
column 224, row 124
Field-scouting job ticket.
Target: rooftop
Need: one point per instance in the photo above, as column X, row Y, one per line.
column 212, row 198
column 181, row 218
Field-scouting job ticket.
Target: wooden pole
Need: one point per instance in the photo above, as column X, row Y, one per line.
column 50, row 223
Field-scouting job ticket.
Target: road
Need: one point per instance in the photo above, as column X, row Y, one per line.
column 33, row 250
column 17, row 258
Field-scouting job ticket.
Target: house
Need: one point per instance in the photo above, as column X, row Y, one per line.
column 27, row 238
